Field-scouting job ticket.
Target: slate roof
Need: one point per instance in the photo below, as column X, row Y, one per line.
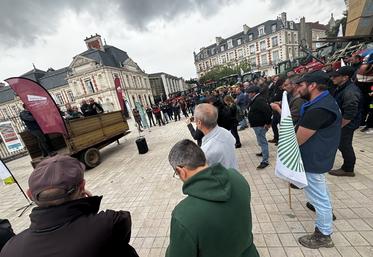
column 51, row 79
column 112, row 56
column 6, row 94
column 216, row 49
column 48, row 79
column 34, row 74
column 54, row 78
column 317, row 25
column 161, row 73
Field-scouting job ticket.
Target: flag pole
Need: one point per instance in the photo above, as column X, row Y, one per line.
column 15, row 181
column 30, row 203
column 290, row 197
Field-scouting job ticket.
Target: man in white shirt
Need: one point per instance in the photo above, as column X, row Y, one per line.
column 218, row 144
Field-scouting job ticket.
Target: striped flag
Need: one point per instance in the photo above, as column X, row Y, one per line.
column 5, row 175
column 289, row 164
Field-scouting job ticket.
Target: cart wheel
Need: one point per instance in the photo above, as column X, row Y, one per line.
column 91, row 157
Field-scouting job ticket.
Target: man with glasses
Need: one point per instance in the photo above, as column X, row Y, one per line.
column 214, row 220
column 318, row 134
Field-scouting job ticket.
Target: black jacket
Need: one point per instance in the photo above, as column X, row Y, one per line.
column 29, row 120
column 350, row 101
column 260, row 112
column 74, row 229
column 6, row 232
column 87, row 110
column 196, row 134
column 224, row 115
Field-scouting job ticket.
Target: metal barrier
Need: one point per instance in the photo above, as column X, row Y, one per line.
column 4, row 154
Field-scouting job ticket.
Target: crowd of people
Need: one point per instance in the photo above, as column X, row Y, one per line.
column 87, row 109
column 215, row 217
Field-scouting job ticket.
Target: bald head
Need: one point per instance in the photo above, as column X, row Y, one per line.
column 207, row 114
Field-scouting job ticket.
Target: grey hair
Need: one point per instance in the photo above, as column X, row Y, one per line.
column 187, row 154
column 207, row 114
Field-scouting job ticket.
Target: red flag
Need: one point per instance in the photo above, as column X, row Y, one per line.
column 40, row 103
column 119, row 91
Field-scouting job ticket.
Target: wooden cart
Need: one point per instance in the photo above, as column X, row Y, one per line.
column 85, row 137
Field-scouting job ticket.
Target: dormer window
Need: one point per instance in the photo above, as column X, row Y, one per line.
column 273, row 27
column 291, row 25
column 239, row 41
column 261, row 31
column 230, row 43
column 250, row 37
column 222, row 48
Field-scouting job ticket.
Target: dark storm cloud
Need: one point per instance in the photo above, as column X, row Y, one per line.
column 140, row 13
column 275, row 5
column 22, row 22
column 282, row 5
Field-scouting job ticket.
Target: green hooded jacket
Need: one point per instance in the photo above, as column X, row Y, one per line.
column 215, row 219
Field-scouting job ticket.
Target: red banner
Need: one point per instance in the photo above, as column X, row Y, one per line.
column 40, row 103
column 119, row 91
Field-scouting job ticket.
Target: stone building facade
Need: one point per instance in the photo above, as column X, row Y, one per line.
column 263, row 46
column 164, row 85
column 309, row 32
column 90, row 74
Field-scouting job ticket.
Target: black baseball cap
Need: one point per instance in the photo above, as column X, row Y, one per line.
column 343, row 71
column 318, row 77
column 253, row 89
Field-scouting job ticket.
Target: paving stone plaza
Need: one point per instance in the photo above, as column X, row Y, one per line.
column 143, row 185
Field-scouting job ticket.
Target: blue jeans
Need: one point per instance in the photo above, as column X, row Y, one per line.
column 260, row 133
column 243, row 123
column 165, row 114
column 318, row 195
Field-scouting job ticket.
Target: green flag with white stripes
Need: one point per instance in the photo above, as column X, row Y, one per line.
column 289, row 165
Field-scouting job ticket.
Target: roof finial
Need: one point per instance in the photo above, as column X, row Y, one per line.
column 33, row 65
column 105, row 41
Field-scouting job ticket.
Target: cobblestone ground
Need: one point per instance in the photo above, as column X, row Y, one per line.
column 143, row 184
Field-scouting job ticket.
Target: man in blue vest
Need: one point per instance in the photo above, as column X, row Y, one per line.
column 318, row 134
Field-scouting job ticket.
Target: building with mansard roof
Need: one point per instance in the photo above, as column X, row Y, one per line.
column 262, row 46
column 90, row 74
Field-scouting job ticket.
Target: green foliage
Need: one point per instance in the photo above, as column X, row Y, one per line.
column 221, row 71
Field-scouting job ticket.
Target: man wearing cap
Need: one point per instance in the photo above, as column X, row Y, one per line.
column 260, row 120
column 349, row 99
column 66, row 221
column 318, row 135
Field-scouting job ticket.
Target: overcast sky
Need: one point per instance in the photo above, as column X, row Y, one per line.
column 160, row 35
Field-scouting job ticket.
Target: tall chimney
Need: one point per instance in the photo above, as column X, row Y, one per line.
column 245, row 29
column 283, row 19
column 94, row 42
column 218, row 40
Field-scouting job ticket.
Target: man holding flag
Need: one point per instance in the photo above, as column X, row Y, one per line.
column 318, row 134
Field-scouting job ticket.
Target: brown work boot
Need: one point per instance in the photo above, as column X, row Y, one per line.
column 316, row 240
column 341, row 173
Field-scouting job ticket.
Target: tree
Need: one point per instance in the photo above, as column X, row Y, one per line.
column 221, row 71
